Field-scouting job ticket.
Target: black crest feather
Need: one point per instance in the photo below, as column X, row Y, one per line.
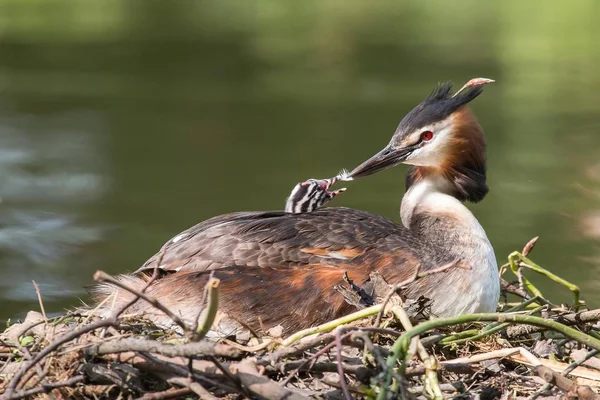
column 441, row 92
column 437, row 106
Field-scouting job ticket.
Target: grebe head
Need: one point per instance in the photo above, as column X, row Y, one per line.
column 441, row 138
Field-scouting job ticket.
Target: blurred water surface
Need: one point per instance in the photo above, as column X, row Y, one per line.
column 123, row 123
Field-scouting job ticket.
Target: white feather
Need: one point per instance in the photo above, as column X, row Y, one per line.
column 179, row 237
column 344, row 175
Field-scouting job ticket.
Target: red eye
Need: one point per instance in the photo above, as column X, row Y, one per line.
column 426, row 136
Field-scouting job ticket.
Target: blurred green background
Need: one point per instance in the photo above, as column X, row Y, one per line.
column 124, row 122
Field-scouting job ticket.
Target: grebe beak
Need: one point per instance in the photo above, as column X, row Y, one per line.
column 388, row 157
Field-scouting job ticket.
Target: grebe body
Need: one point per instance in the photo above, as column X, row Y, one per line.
column 280, row 268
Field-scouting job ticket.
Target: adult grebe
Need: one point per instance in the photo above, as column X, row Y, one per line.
column 280, row 268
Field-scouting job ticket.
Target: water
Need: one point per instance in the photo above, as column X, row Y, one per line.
column 124, row 123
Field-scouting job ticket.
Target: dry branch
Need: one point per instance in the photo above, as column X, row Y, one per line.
column 103, row 355
column 571, row 388
column 167, row 394
column 248, row 374
column 170, row 350
column 110, row 321
column 101, row 276
column 44, row 388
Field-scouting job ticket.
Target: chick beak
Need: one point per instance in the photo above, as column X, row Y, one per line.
column 388, row 157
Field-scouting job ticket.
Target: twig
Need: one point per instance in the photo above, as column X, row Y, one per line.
column 354, row 389
column 101, row 276
column 38, row 367
column 580, row 317
column 234, row 379
column 514, row 289
column 247, row 373
column 110, row 321
column 313, row 357
column 210, row 311
column 376, row 352
column 39, row 296
column 27, row 355
column 301, row 365
column 44, row 388
column 202, row 303
column 577, row 363
column 53, row 346
column 502, row 353
column 92, row 313
column 195, row 387
column 166, row 349
column 167, row 394
column 451, row 367
column 431, row 379
column 393, row 290
column 290, row 351
column 582, row 392
column 401, row 345
column 566, row 372
column 249, row 349
column 171, row 366
column 444, row 387
column 297, row 349
column 567, row 319
column 340, row 366
column 126, row 378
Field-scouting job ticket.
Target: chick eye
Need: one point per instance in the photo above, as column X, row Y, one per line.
column 426, row 136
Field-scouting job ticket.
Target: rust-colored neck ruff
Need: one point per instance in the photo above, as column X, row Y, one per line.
column 463, row 165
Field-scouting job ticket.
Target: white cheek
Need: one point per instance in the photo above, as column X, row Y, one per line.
column 432, row 153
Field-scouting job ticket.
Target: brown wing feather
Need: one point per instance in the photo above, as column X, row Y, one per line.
column 282, row 268
column 264, row 297
column 294, row 298
column 277, row 239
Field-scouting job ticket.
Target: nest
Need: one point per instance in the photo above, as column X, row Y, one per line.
column 529, row 349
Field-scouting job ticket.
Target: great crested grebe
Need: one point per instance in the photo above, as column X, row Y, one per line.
column 280, row 268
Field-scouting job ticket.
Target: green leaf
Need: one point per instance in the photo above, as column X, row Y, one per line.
column 26, row 340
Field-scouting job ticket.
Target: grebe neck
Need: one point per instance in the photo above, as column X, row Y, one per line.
column 432, row 196
column 448, row 231
column 443, row 189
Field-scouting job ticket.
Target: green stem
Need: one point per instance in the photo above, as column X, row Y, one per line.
column 512, row 261
column 460, row 335
column 514, row 256
column 431, row 382
column 594, row 334
column 401, row 345
column 367, row 312
column 212, row 306
column 475, row 334
column 495, row 327
column 481, row 335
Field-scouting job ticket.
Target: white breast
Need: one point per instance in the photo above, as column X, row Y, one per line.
column 475, row 290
